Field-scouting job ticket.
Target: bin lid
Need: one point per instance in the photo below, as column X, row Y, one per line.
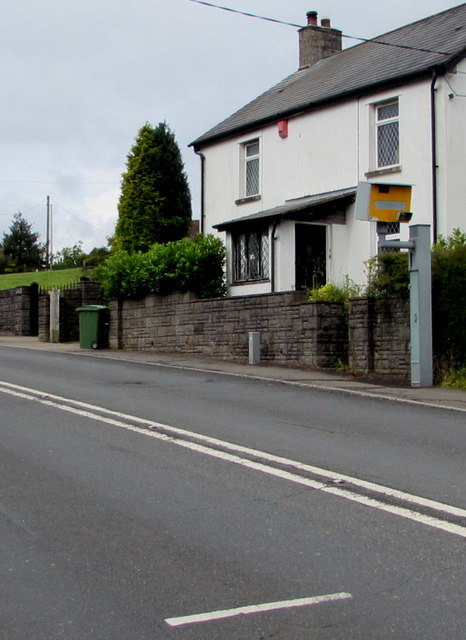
column 92, row 307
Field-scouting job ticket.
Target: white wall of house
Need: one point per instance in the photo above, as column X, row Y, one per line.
column 333, row 148
column 415, row 166
column 451, row 123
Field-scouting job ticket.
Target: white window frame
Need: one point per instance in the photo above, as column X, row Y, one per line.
column 250, row 157
column 383, row 122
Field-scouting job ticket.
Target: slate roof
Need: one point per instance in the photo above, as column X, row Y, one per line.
column 320, row 206
column 441, row 39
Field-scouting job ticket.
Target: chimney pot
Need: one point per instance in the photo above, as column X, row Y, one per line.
column 311, row 18
column 325, row 22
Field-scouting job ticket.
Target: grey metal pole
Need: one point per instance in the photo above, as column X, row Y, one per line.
column 47, row 231
column 420, row 269
column 254, row 347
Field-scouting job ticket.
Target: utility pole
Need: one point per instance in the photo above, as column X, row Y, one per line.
column 49, row 234
column 47, row 231
column 51, row 237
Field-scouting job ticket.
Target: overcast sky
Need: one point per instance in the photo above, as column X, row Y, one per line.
column 80, row 78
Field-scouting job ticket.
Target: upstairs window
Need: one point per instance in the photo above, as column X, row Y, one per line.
column 387, row 134
column 251, row 168
column 251, row 255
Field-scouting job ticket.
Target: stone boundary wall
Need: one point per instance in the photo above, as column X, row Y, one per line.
column 44, row 318
column 20, row 306
column 85, row 293
column 379, row 337
column 293, row 332
column 15, row 312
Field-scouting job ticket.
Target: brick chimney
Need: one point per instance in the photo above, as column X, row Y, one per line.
column 316, row 43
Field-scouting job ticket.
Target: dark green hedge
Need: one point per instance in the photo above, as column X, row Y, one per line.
column 186, row 265
column 449, row 301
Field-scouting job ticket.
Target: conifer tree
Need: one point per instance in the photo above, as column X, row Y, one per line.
column 21, row 245
column 155, row 201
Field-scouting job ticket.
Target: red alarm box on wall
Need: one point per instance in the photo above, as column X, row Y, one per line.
column 283, row 128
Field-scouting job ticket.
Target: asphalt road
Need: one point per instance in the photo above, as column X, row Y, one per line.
column 133, row 497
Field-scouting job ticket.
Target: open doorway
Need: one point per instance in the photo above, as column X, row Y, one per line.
column 310, row 252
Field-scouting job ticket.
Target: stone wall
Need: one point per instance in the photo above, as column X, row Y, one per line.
column 293, row 332
column 23, row 312
column 85, row 293
column 379, row 338
column 15, row 312
column 44, row 318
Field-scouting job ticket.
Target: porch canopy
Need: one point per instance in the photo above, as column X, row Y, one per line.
column 324, row 208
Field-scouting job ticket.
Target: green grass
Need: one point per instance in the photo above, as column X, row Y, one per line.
column 46, row 279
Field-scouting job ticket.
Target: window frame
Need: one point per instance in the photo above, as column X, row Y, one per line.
column 379, row 123
column 248, row 173
column 247, row 267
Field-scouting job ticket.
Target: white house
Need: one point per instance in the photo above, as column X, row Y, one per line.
column 279, row 176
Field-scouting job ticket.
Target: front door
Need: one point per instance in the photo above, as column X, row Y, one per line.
column 310, row 247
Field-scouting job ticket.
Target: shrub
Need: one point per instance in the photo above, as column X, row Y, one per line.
column 336, row 293
column 454, row 379
column 449, row 301
column 388, row 274
column 186, row 265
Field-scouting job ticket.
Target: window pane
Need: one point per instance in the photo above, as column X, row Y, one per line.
column 252, row 149
column 240, row 259
column 265, row 254
column 252, row 177
column 251, row 256
column 254, row 256
column 386, row 111
column 387, row 144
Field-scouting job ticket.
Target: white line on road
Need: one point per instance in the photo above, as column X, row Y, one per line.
column 99, row 413
column 255, row 608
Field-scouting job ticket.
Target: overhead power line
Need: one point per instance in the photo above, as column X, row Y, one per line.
column 245, row 13
column 398, row 46
column 300, row 26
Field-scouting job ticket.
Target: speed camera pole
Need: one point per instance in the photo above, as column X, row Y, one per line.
column 420, row 270
column 420, row 299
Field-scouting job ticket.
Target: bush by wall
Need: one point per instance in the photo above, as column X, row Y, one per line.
column 449, row 301
column 186, row 265
column 388, row 275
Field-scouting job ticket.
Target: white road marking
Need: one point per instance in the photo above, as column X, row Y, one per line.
column 255, row 608
column 89, row 411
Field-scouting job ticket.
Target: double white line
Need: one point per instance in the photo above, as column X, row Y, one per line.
column 424, row 511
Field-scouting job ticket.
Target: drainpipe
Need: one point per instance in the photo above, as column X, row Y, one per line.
column 272, row 257
column 434, row 156
column 202, row 215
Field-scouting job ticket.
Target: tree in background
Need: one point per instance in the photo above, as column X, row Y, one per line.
column 70, row 257
column 21, row 246
column 96, row 256
column 155, row 201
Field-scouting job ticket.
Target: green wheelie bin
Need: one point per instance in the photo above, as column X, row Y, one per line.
column 94, row 320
